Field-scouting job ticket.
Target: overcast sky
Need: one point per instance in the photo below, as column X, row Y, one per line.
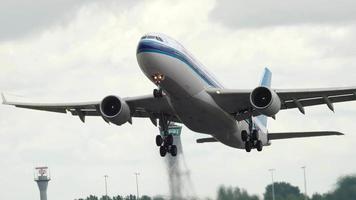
column 85, row 50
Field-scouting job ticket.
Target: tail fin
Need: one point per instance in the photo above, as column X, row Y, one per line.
column 266, row 78
column 266, row 81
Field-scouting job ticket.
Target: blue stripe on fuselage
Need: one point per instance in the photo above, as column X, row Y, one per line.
column 155, row 47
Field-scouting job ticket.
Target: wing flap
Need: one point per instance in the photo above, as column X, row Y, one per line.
column 318, row 101
column 56, row 107
column 49, row 109
column 289, row 135
column 290, row 94
column 148, row 103
column 52, row 107
column 237, row 102
column 232, row 101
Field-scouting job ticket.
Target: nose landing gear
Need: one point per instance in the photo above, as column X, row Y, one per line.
column 158, row 93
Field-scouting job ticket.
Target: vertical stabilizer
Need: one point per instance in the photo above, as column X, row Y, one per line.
column 266, row 81
column 266, row 78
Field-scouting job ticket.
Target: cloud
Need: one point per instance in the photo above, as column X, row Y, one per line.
column 259, row 14
column 20, row 18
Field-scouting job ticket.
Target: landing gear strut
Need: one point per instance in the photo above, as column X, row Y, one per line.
column 165, row 142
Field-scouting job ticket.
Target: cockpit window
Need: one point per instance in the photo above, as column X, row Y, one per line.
column 152, row 37
column 159, row 38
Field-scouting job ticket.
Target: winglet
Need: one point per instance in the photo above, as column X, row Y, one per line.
column 338, row 133
column 3, row 98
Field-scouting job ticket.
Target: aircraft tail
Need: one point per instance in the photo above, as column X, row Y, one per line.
column 266, row 78
column 266, row 81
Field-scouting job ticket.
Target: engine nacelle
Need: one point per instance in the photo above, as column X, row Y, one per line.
column 115, row 110
column 265, row 101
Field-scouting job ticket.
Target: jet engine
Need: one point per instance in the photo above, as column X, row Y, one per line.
column 265, row 101
column 115, row 110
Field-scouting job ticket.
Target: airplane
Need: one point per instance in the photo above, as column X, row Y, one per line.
column 188, row 94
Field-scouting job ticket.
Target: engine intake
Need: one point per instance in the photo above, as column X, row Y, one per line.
column 265, row 101
column 115, row 110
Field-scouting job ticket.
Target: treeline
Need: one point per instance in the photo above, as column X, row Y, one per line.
column 345, row 190
column 119, row 197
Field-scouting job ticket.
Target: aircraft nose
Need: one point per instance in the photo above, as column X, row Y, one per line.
column 150, row 45
column 142, row 46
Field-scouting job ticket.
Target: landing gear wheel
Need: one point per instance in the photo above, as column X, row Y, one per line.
column 169, row 140
column 157, row 93
column 244, row 135
column 162, row 151
column 173, row 150
column 248, row 146
column 159, row 140
column 254, row 135
column 259, row 145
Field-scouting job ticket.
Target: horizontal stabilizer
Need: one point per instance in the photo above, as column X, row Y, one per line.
column 204, row 140
column 288, row 135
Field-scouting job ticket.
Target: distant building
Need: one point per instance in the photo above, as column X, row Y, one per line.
column 42, row 176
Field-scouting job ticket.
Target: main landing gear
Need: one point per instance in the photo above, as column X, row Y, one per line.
column 251, row 140
column 166, row 145
column 166, row 141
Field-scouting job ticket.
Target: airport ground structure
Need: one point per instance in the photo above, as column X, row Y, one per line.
column 42, row 177
column 345, row 189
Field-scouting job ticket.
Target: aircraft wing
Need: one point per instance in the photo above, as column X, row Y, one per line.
column 311, row 97
column 141, row 106
column 288, row 135
column 238, row 101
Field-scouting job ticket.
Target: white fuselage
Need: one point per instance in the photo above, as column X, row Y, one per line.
column 185, row 83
